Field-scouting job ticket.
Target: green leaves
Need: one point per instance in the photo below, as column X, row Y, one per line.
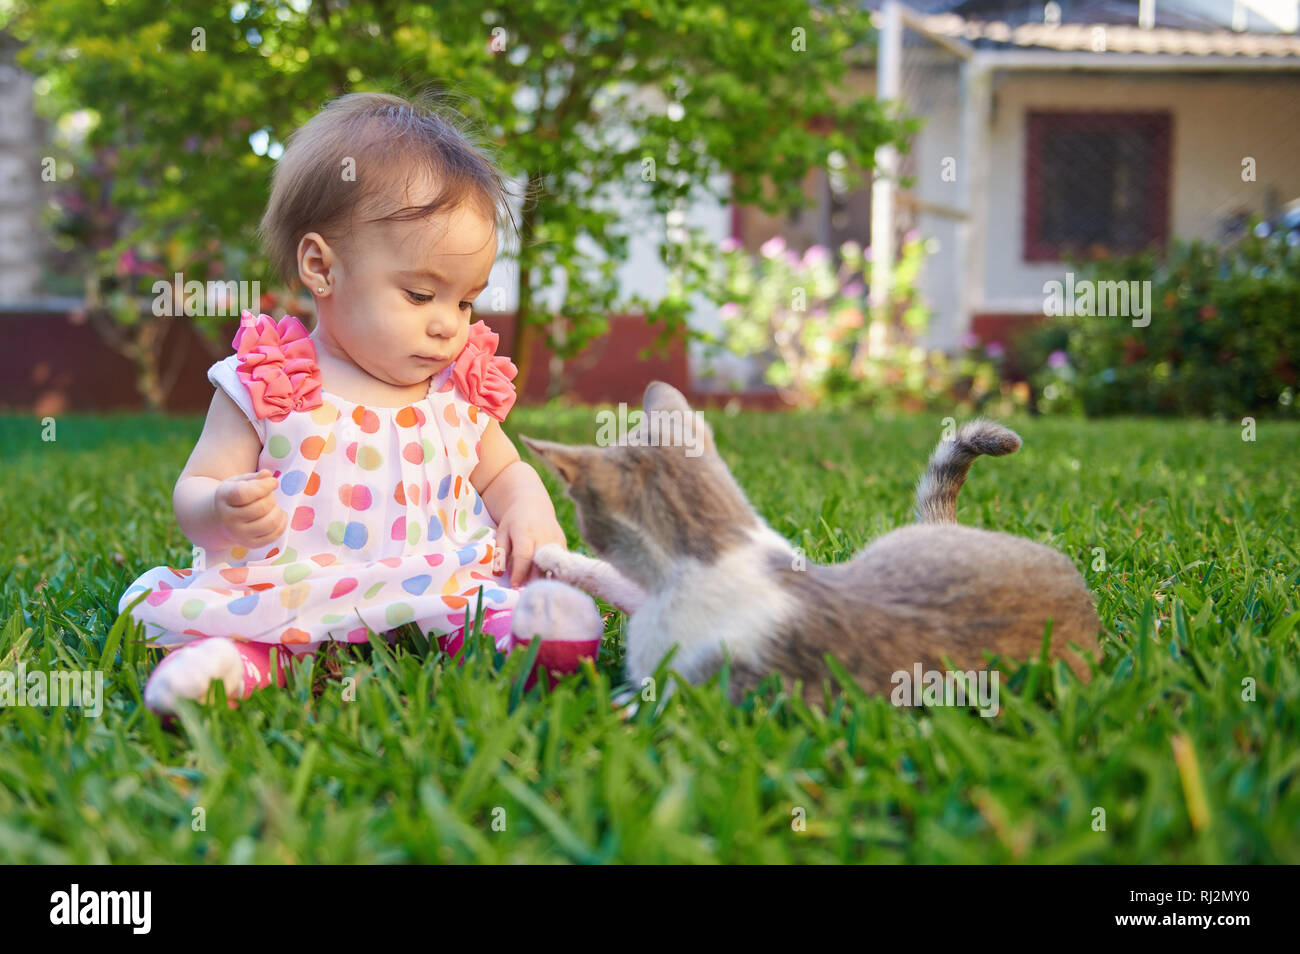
column 1221, row 340
column 556, row 89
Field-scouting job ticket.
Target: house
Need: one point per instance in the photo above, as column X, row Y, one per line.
column 1097, row 126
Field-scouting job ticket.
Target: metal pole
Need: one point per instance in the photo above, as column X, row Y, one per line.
column 888, row 84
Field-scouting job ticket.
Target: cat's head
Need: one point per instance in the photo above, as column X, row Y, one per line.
column 652, row 490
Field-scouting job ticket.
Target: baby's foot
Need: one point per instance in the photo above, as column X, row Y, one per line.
column 188, row 673
column 564, row 618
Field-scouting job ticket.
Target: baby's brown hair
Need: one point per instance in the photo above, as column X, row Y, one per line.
column 360, row 150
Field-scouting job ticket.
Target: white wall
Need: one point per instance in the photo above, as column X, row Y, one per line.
column 19, row 178
column 1217, row 120
column 935, row 93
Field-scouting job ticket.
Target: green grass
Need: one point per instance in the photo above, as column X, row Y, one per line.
column 430, row 762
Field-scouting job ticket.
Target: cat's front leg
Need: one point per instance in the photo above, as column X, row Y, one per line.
column 594, row 576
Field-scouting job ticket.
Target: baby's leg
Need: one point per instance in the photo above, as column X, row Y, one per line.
column 189, row 671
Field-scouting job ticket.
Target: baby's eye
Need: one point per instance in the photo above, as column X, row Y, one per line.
column 418, row 298
column 466, row 305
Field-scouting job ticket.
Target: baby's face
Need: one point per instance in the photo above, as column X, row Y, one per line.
column 402, row 292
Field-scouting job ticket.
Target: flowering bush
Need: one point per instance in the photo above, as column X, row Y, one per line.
column 1057, row 386
column 806, row 319
column 1223, row 338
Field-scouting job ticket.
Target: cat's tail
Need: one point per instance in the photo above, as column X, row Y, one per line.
column 936, row 492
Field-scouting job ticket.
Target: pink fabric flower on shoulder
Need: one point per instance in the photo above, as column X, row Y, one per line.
column 277, row 363
column 484, row 376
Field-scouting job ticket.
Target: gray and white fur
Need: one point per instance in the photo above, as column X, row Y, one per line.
column 686, row 556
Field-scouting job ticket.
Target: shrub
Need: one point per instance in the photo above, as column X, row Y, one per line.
column 1223, row 338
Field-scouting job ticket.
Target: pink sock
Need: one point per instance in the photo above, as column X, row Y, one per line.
column 256, row 658
column 257, row 665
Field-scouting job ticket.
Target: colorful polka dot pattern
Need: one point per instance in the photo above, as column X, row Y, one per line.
column 384, row 528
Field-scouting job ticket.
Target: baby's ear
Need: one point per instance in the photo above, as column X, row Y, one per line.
column 564, row 459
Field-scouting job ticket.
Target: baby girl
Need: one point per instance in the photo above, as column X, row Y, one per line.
column 358, row 478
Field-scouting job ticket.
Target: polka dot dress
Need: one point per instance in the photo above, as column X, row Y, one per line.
column 384, row 529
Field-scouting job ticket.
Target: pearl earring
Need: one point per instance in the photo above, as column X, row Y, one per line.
column 320, row 291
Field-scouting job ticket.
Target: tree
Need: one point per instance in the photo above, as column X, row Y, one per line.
column 583, row 100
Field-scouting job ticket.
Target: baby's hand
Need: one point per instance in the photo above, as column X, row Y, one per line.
column 246, row 509
column 520, row 531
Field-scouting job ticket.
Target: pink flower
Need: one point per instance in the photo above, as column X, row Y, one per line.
column 484, row 376
column 126, row 263
column 772, row 247
column 816, row 255
column 277, row 363
column 129, row 263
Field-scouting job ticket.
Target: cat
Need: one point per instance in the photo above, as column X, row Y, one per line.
column 691, row 562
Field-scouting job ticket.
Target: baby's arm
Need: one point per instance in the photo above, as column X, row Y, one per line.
column 217, row 505
column 518, row 502
column 218, row 502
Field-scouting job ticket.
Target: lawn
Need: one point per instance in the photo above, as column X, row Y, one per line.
column 1183, row 747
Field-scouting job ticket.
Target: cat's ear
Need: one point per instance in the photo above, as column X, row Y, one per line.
column 664, row 399
column 661, row 396
column 564, row 459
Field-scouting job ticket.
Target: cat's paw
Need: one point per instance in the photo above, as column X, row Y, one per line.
column 188, row 673
column 550, row 558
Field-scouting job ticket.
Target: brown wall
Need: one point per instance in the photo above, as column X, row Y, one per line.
column 50, row 363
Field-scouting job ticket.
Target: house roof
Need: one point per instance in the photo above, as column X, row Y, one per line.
column 1254, row 16
column 1119, row 38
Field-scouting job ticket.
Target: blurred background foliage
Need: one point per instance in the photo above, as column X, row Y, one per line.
column 807, row 319
column 176, row 112
column 1223, row 339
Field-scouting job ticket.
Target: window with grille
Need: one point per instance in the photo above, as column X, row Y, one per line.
column 1096, row 183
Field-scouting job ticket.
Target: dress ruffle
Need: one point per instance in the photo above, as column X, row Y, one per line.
column 484, row 376
column 277, row 363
